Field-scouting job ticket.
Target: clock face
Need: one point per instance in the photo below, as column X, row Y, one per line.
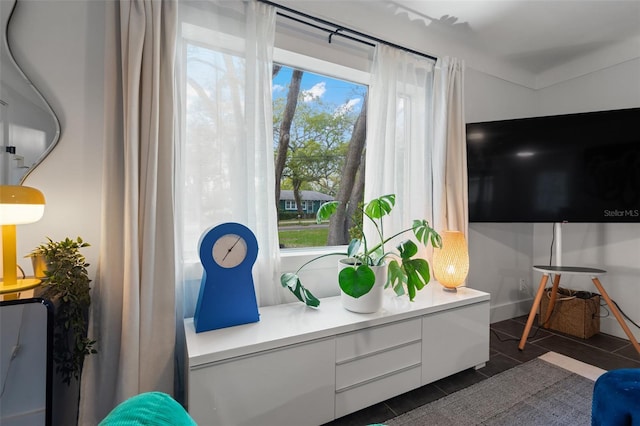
column 229, row 250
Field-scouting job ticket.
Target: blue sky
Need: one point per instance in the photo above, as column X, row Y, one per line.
column 333, row 91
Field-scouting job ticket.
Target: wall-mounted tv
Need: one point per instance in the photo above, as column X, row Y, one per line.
column 564, row 168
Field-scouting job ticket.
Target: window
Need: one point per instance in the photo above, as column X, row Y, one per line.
column 313, row 129
column 211, row 111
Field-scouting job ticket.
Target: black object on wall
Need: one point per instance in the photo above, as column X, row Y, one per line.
column 564, row 168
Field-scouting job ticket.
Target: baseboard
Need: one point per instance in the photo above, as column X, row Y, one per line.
column 610, row 325
column 510, row 310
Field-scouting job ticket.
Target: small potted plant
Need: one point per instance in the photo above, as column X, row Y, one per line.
column 66, row 282
column 368, row 266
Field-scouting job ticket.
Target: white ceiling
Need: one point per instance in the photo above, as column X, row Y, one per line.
column 532, row 35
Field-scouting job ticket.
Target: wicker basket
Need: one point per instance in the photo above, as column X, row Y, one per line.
column 576, row 313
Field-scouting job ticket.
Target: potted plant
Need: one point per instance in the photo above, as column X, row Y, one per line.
column 66, row 282
column 364, row 260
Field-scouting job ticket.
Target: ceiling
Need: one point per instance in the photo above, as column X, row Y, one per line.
column 532, row 35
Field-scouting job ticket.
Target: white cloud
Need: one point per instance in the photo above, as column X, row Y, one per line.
column 348, row 106
column 315, row 92
column 277, row 88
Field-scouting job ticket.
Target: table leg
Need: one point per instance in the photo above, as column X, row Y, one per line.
column 552, row 301
column 616, row 313
column 534, row 309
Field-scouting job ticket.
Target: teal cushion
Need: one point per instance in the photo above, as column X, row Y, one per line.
column 150, row 408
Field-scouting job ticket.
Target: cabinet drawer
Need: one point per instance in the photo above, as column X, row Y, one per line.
column 377, row 339
column 379, row 364
column 293, row 385
column 356, row 398
column 462, row 331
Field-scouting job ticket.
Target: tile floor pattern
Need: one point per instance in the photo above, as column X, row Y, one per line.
column 602, row 350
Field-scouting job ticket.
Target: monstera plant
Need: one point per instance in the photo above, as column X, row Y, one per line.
column 406, row 273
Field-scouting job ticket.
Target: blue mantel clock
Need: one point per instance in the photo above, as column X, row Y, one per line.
column 227, row 296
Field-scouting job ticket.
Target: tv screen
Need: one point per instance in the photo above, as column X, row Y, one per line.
column 564, row 168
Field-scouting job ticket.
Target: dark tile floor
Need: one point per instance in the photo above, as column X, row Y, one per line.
column 602, row 350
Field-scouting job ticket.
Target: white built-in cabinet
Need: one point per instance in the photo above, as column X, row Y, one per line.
column 306, row 366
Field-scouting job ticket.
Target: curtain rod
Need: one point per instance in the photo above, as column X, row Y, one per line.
column 339, row 29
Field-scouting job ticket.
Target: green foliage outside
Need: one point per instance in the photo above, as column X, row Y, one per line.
column 311, row 237
column 319, row 140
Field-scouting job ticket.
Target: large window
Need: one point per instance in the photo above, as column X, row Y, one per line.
column 330, row 99
column 314, row 120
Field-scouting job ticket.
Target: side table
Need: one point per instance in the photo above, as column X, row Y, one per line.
column 593, row 273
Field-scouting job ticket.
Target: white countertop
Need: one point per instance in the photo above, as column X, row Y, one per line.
column 292, row 323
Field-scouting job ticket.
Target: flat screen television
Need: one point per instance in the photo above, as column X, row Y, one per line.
column 564, row 168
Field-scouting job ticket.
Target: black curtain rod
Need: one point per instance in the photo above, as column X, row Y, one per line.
column 339, row 29
column 335, row 32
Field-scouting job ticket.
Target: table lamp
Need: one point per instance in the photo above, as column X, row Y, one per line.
column 451, row 262
column 18, row 205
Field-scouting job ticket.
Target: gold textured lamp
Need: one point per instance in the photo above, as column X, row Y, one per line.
column 18, row 205
column 451, row 262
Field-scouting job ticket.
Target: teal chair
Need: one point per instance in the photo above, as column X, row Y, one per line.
column 148, row 409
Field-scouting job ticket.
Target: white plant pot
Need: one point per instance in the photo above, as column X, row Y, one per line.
column 370, row 302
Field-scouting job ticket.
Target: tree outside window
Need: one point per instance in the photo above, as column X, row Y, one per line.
column 319, row 141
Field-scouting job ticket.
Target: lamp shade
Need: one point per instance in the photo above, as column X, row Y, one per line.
column 451, row 262
column 20, row 204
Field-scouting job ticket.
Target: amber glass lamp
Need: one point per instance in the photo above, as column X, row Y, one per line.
column 451, row 262
column 18, row 205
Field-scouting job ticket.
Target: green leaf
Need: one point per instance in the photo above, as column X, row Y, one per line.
column 293, row 283
column 354, row 246
column 289, row 280
column 396, row 278
column 356, row 281
column 418, row 275
column 376, row 257
column 326, row 210
column 381, row 206
column 407, row 249
column 436, row 240
column 425, row 233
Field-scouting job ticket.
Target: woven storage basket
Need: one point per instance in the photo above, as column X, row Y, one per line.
column 573, row 315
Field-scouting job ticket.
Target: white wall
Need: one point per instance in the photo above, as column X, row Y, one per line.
column 489, row 98
column 59, row 44
column 615, row 87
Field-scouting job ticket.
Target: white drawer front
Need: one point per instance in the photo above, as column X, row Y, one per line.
column 370, row 393
column 357, row 344
column 454, row 340
column 294, row 385
column 379, row 364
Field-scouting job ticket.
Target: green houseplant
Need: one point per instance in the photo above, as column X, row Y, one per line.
column 406, row 274
column 66, row 282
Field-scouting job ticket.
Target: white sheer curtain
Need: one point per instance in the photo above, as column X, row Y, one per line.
column 451, row 199
column 226, row 167
column 133, row 301
column 398, row 157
